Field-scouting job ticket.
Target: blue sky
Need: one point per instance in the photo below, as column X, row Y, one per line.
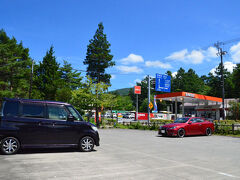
column 146, row 36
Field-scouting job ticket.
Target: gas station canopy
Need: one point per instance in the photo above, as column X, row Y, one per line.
column 187, row 97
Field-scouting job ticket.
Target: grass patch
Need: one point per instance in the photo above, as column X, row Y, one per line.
column 138, row 125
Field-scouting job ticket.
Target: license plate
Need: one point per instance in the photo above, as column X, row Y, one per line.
column 162, row 131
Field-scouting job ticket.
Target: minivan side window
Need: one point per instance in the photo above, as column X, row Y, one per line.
column 33, row 110
column 10, row 108
column 75, row 113
column 57, row 112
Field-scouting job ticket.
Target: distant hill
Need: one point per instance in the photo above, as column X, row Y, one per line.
column 122, row 92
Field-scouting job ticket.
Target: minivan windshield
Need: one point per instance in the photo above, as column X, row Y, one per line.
column 181, row 120
column 75, row 113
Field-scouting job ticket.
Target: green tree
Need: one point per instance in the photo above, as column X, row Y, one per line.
column 48, row 77
column 144, row 106
column 15, row 67
column 178, row 81
column 193, row 83
column 215, row 83
column 70, row 80
column 109, row 101
column 235, row 110
column 236, row 81
column 144, row 92
column 187, row 81
column 98, row 57
column 124, row 103
column 90, row 96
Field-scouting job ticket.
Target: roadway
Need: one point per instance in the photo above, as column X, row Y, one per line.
column 131, row 154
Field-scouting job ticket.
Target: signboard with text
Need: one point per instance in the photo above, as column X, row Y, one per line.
column 163, row 83
column 144, row 116
column 137, row 89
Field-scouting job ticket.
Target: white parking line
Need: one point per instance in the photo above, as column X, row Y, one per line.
column 225, row 174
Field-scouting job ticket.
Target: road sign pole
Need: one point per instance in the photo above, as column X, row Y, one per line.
column 137, row 107
column 137, row 91
column 148, row 99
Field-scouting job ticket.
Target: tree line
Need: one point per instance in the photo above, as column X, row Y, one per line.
column 20, row 77
column 51, row 80
column 189, row 81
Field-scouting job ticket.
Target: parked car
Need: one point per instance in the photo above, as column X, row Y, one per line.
column 28, row 123
column 126, row 115
column 129, row 115
column 187, row 126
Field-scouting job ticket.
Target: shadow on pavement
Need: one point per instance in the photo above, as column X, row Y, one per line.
column 180, row 138
column 49, row 150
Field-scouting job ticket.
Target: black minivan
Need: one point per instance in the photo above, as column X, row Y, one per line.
column 34, row 123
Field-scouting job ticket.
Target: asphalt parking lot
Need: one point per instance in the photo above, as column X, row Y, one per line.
column 131, row 154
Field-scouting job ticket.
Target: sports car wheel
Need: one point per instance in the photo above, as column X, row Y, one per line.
column 86, row 144
column 208, row 132
column 181, row 133
column 10, row 145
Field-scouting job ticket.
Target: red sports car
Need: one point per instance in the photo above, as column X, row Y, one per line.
column 187, row 126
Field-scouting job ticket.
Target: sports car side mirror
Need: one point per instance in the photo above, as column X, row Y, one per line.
column 190, row 122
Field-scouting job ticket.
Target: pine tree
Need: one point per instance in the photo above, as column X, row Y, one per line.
column 48, row 77
column 215, row 83
column 236, row 81
column 98, row 57
column 15, row 67
column 70, row 80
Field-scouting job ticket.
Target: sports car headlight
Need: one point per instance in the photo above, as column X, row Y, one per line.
column 94, row 128
column 174, row 127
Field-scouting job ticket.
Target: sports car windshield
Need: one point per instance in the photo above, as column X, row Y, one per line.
column 181, row 120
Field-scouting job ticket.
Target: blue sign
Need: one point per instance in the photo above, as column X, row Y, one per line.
column 163, row 83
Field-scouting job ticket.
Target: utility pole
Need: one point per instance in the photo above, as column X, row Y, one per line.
column 221, row 53
column 148, row 99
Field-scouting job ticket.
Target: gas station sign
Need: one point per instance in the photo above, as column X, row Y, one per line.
column 137, row 89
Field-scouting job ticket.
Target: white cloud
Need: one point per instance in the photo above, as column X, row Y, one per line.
column 196, row 57
column 235, row 53
column 129, row 69
column 193, row 57
column 158, row 64
column 179, row 55
column 137, row 80
column 211, row 52
column 113, row 76
column 227, row 65
column 132, row 58
column 174, row 74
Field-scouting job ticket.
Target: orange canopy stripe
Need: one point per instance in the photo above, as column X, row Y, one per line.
column 190, row 95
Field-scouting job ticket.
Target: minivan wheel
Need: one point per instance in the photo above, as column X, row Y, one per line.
column 10, row 145
column 86, row 144
column 181, row 133
column 208, row 132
